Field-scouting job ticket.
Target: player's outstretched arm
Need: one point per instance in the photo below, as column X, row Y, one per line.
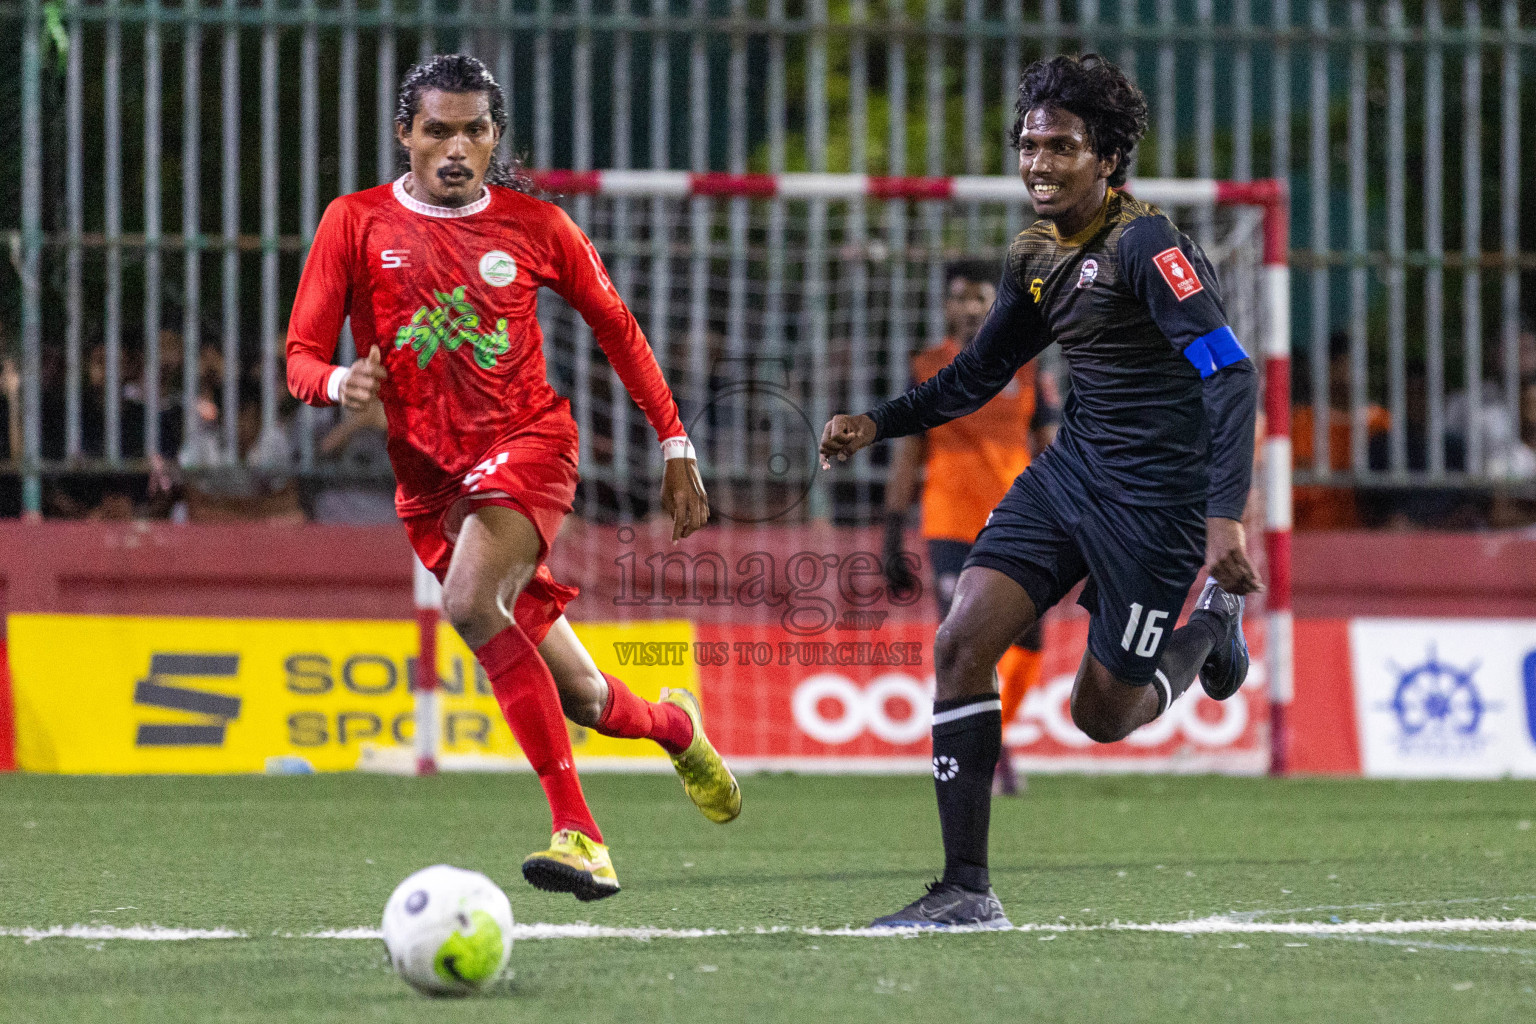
column 319, row 308
column 1172, row 276
column 843, row 435
column 584, row 283
column 683, row 497
column 1231, row 400
column 1011, row 336
column 1226, row 557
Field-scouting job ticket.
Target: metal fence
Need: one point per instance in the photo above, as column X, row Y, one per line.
column 174, row 160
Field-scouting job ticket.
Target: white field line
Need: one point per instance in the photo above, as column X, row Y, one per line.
column 1414, row 945
column 1249, row 915
column 1225, row 925
column 1231, row 926
column 133, row 933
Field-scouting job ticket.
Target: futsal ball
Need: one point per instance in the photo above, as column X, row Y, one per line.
column 448, row 931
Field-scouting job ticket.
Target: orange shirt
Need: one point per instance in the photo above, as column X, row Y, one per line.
column 973, row 461
column 1319, row 506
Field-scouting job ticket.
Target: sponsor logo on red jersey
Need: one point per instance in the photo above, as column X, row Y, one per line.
column 1178, row 272
column 452, row 323
column 497, row 269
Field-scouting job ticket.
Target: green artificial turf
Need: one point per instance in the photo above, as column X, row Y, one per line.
column 272, row 856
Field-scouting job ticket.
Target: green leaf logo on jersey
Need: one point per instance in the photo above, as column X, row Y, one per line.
column 449, row 324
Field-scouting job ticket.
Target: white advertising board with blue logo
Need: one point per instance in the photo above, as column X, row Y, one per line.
column 1445, row 698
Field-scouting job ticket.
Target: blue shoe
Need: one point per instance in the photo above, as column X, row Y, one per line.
column 1226, row 666
column 946, row 905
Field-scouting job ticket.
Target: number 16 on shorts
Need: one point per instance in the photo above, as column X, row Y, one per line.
column 1151, row 631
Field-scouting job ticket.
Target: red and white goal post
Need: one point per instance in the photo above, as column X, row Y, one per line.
column 1250, row 258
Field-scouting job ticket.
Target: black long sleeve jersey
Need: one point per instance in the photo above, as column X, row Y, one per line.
column 1163, row 396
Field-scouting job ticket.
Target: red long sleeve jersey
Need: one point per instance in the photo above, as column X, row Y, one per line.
column 449, row 296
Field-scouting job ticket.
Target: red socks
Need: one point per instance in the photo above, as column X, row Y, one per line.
column 635, row 718
column 531, row 705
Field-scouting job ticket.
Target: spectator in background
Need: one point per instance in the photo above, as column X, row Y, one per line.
column 254, row 482
column 356, row 450
column 135, row 411
column 1528, row 409
column 112, row 495
column 1328, row 506
column 160, row 494
column 1518, row 510
column 10, row 396
column 1422, row 508
column 1497, row 421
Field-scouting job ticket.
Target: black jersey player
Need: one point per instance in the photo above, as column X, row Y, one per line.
column 1145, row 483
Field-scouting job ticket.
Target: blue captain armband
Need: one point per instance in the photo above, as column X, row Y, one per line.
column 1210, row 352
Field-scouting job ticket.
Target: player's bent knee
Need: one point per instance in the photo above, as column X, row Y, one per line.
column 1099, row 723
column 473, row 611
column 582, row 709
column 1103, row 707
column 951, row 652
column 961, row 665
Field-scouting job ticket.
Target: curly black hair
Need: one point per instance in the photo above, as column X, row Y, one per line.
column 459, row 72
column 975, row 271
column 1112, row 108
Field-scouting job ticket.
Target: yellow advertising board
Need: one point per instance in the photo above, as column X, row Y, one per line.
column 129, row 694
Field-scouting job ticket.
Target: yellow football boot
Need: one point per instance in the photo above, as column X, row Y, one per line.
column 574, row 864
column 706, row 779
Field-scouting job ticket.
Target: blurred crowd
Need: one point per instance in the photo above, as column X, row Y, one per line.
column 199, row 476
column 1505, row 432
column 209, row 473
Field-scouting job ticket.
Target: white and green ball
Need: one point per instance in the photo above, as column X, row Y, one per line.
column 448, row 931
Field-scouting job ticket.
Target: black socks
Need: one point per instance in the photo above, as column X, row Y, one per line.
column 1185, row 652
column 967, row 740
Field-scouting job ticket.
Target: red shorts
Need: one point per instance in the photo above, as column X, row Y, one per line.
column 534, row 480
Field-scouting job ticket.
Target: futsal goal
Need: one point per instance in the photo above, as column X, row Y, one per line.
column 773, row 301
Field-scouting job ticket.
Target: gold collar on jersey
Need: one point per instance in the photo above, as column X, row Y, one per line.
column 1072, row 241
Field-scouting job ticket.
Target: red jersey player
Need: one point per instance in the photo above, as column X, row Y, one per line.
column 439, row 273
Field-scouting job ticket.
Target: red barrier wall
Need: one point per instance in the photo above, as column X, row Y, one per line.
column 161, row 569
column 1456, row 575
column 365, row 572
column 1323, row 736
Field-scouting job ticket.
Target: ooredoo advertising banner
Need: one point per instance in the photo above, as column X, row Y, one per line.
column 847, row 701
column 1445, row 698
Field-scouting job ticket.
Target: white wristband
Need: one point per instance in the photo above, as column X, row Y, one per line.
column 333, row 383
column 677, row 448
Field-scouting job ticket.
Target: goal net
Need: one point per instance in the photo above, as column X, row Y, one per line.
column 772, row 302
column 794, row 307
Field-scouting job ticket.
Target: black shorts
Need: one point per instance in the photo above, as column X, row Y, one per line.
column 947, row 557
column 1050, row 531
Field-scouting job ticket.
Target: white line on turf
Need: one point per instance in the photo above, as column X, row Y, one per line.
column 1202, row 926
column 549, row 931
column 1229, row 926
column 136, row 932
column 1249, row 915
column 1414, row 945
